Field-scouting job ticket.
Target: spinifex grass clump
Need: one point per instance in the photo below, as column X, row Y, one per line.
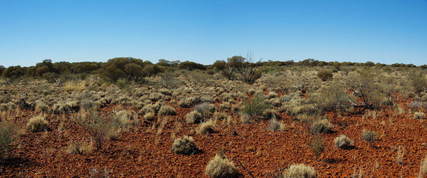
column 343, row 142
column 299, row 171
column 185, row 145
column 221, row 167
column 255, row 107
column 38, row 124
column 99, row 129
column 7, row 136
column 369, row 136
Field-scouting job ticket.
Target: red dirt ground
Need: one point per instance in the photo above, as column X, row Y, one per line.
column 144, row 152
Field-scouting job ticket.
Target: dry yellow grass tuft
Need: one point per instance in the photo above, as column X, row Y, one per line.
column 299, row 171
column 74, row 85
column 221, row 167
column 37, row 124
column 206, row 127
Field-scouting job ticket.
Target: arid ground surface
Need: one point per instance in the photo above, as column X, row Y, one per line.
column 149, row 117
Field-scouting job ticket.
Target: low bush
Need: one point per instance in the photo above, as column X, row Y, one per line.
column 419, row 115
column 221, row 167
column 191, row 66
column 7, row 136
column 250, row 75
column 125, row 118
column 185, row 146
column 189, row 102
column 38, row 124
column 98, row 128
column 299, row 171
column 219, row 65
column 418, row 81
column 367, row 89
column 333, row 98
column 205, row 109
column 14, row 72
column 254, row 107
column 194, row 117
column 343, row 142
column 325, row 75
column 321, row 126
column 167, row 110
column 207, row 127
column 150, row 116
column 369, row 136
column 79, row 148
column 276, row 125
column 74, row 85
column 130, row 69
column 317, row 145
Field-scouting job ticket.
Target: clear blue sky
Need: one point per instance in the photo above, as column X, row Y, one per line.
column 386, row 31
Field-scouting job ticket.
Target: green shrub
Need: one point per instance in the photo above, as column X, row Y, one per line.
column 130, row 69
column 219, row 65
column 44, row 68
column 221, row 167
column 7, row 136
column 191, row 65
column 325, row 75
column 255, row 107
column 250, row 75
column 237, row 68
column 418, row 81
column 2, row 69
column 14, row 72
column 365, row 87
column 151, row 70
column 333, row 98
column 38, row 124
column 185, row 146
column 98, row 128
column 170, row 80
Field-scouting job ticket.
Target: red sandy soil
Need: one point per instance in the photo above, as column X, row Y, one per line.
column 143, row 152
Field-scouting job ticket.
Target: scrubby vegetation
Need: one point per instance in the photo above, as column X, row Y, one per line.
column 185, row 145
column 98, row 128
column 128, row 116
column 221, row 167
column 343, row 142
column 369, row 136
column 7, row 136
column 299, row 170
column 321, row 126
column 38, row 124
